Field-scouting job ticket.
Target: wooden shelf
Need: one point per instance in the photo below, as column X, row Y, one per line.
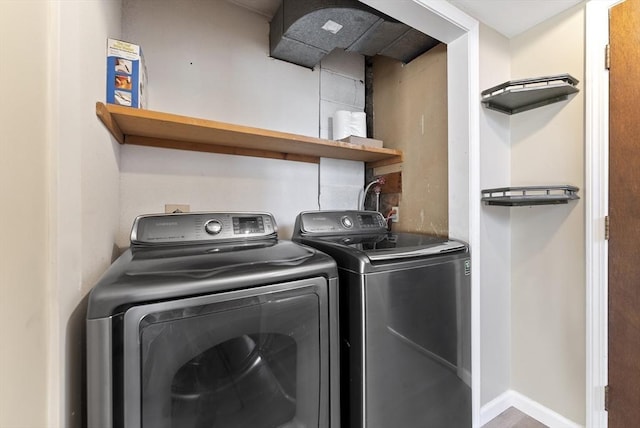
column 150, row 128
column 530, row 195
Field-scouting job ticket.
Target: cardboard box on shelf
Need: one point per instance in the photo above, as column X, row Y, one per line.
column 126, row 74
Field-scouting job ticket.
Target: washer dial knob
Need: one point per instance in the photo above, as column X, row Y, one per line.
column 213, row 227
column 346, row 222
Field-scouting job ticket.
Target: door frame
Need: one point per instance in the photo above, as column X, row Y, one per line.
column 597, row 207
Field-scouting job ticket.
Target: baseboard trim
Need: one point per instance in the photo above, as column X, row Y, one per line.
column 526, row 405
column 496, row 406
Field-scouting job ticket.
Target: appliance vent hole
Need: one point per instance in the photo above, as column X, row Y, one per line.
column 332, row 27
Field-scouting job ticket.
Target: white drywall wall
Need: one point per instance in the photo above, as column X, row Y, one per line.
column 84, row 190
column 548, row 256
column 211, row 60
column 24, row 270
column 495, row 226
column 209, row 182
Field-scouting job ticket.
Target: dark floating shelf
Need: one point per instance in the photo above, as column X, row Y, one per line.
column 516, row 96
column 529, row 195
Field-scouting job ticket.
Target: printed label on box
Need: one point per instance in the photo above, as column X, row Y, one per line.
column 126, row 74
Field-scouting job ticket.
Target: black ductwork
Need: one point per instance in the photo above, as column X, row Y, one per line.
column 304, row 31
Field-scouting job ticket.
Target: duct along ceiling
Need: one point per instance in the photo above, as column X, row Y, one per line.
column 304, row 31
column 509, row 17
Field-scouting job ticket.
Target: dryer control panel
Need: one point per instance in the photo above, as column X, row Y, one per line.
column 311, row 223
column 189, row 228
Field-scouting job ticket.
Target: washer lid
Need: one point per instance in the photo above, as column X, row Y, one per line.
column 388, row 246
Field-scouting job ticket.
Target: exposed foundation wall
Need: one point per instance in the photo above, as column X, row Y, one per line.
column 410, row 114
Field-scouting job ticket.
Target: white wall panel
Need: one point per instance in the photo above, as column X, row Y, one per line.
column 83, row 186
column 24, row 255
column 495, row 223
column 211, row 60
column 548, row 255
column 210, row 182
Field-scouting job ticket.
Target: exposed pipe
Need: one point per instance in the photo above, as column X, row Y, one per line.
column 377, row 180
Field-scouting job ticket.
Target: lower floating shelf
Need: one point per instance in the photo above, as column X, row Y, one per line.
column 529, row 195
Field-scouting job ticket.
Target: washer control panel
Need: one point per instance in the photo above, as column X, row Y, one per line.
column 203, row 227
column 340, row 222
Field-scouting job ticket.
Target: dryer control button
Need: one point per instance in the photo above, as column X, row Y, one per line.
column 213, row 227
column 346, row 222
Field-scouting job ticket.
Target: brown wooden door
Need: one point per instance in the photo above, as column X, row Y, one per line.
column 624, row 214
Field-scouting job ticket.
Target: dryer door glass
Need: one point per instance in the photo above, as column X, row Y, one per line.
column 251, row 361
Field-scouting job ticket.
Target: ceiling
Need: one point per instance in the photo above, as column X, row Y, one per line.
column 509, row 17
column 512, row 17
column 267, row 8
